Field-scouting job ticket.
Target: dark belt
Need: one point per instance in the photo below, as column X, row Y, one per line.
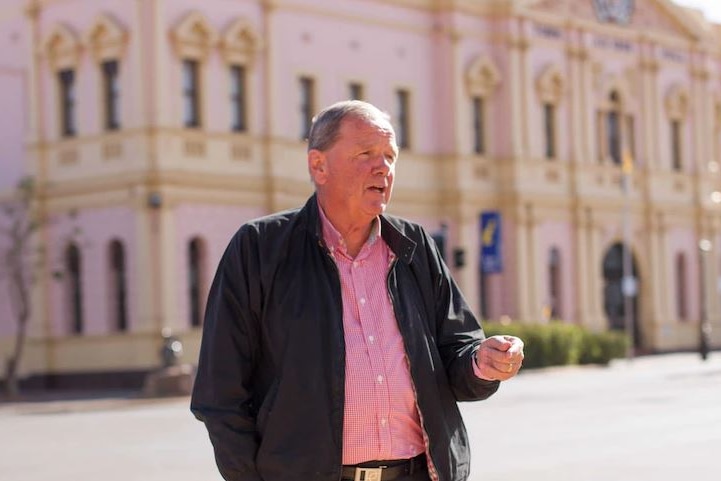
column 384, row 470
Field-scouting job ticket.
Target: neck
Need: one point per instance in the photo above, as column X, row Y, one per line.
column 354, row 233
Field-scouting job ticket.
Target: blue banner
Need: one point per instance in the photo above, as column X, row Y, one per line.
column 491, row 253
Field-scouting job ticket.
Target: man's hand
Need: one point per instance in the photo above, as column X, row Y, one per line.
column 499, row 358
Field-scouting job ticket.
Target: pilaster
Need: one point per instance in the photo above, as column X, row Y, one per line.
column 518, row 45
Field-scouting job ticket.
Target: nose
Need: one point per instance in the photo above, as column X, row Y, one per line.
column 381, row 165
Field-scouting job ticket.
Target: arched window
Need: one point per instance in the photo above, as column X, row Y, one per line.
column 74, row 288
column 482, row 79
column 118, row 287
column 196, row 261
column 554, row 283
column 616, row 130
column 677, row 101
column 613, row 128
column 681, row 279
column 550, row 88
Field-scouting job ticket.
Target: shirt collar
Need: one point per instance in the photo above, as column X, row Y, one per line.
column 334, row 240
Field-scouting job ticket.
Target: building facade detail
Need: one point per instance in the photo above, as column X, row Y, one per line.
column 166, row 125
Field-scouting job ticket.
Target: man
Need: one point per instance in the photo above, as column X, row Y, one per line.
column 336, row 344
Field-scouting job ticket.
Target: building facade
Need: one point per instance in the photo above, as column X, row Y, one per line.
column 572, row 142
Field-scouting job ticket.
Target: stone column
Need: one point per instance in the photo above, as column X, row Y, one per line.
column 518, row 44
column 582, row 272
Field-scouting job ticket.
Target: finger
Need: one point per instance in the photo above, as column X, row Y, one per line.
column 497, row 342
column 490, row 355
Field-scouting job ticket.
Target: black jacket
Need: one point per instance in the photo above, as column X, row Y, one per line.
column 270, row 380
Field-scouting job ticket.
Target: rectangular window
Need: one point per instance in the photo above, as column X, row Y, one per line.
column 111, row 94
column 66, row 80
column 238, row 99
column 479, row 126
column 307, row 102
column 676, row 145
column 191, row 94
column 356, row 91
column 613, row 131
column 403, row 132
column 549, row 113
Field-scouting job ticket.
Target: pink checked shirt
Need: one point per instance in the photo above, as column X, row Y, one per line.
column 381, row 417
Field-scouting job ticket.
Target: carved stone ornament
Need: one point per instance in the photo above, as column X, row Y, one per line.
column 482, row 77
column 614, row 11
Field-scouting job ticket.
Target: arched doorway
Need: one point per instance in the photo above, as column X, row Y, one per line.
column 613, row 304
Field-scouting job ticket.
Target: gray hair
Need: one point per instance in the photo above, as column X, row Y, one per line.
column 326, row 125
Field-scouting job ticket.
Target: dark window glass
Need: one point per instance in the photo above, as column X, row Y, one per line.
column 74, row 288
column 111, row 94
column 549, row 122
column 66, row 80
column 682, row 308
column 676, row 145
column 307, row 102
column 238, row 99
column 195, row 261
column 403, row 133
column 191, row 94
column 356, row 91
column 118, row 284
column 554, row 283
column 613, row 129
column 479, row 126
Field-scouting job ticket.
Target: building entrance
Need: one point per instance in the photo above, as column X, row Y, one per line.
column 613, row 292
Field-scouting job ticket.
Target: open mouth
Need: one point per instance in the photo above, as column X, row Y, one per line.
column 378, row 189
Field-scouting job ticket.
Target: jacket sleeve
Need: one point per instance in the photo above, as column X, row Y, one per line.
column 458, row 332
column 222, row 395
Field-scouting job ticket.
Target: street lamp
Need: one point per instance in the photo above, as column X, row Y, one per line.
column 628, row 282
column 704, row 247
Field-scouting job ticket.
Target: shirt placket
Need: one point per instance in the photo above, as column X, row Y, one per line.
column 371, row 332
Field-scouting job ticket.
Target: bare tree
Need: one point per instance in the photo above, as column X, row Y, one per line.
column 19, row 259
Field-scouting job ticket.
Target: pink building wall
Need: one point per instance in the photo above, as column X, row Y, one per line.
column 92, row 231
column 214, row 226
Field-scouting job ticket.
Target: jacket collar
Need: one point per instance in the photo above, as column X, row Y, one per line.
column 401, row 245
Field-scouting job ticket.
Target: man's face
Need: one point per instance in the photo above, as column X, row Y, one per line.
column 355, row 176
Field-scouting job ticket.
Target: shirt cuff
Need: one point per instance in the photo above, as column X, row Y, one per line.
column 476, row 369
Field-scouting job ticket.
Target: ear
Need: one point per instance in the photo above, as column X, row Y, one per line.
column 318, row 166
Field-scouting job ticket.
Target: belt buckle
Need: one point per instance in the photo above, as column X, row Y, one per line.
column 368, row 474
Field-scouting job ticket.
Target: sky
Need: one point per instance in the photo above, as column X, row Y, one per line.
column 711, row 8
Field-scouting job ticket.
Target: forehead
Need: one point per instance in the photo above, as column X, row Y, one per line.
column 361, row 130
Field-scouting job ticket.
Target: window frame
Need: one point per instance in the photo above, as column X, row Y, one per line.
column 111, row 93
column 191, row 87
column 66, row 79
column 238, row 97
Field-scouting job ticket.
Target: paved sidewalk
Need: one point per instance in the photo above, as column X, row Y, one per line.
column 655, row 418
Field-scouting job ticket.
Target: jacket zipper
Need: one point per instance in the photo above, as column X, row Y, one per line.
column 330, row 260
column 410, row 366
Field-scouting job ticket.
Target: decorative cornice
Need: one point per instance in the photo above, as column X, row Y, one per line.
column 107, row 38
column 482, row 77
column 550, row 85
column 193, row 37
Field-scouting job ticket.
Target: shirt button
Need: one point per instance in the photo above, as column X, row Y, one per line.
column 371, row 339
column 362, row 300
column 356, row 264
column 380, row 379
column 383, row 422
